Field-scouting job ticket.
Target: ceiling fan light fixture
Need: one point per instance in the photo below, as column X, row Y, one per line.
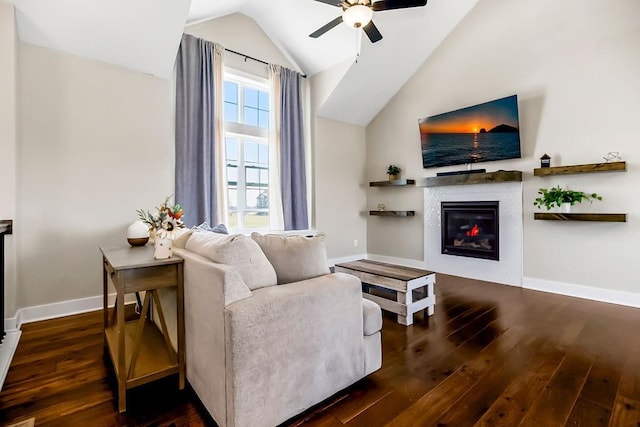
column 357, row 16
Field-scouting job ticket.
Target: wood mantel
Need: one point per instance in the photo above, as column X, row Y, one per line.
column 472, row 178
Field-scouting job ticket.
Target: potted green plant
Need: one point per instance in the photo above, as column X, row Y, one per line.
column 394, row 172
column 557, row 197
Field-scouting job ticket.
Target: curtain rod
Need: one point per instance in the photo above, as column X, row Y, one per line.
column 254, row 59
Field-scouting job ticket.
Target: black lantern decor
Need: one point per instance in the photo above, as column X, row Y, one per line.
column 545, row 161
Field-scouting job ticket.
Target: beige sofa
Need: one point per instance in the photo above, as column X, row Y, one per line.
column 269, row 331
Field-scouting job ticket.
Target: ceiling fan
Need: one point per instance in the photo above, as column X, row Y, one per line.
column 358, row 14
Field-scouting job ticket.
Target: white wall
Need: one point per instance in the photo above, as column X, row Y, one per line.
column 574, row 66
column 241, row 34
column 8, row 146
column 339, row 173
column 95, row 144
column 340, row 182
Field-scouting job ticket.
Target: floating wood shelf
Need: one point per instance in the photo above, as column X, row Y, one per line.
column 394, row 183
column 604, row 217
column 392, row 213
column 587, row 168
column 472, row 178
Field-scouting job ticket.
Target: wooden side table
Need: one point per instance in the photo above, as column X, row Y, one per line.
column 139, row 351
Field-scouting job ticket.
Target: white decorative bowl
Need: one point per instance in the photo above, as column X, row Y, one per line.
column 138, row 234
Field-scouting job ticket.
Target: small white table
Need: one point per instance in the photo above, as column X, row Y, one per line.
column 414, row 288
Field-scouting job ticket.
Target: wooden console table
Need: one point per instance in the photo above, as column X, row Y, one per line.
column 407, row 283
column 140, row 353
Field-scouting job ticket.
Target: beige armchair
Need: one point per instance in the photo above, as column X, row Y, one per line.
column 258, row 354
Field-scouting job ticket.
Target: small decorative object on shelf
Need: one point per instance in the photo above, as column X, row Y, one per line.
column 394, row 172
column 138, row 234
column 545, row 161
column 612, row 156
column 381, row 206
column 557, row 197
column 164, row 225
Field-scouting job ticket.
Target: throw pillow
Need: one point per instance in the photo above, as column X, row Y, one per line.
column 237, row 251
column 294, row 258
column 220, row 228
column 181, row 241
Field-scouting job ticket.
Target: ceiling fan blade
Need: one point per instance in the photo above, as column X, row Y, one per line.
column 320, row 31
column 372, row 32
column 332, row 2
column 396, row 4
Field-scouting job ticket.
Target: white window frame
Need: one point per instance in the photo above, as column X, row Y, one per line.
column 243, row 132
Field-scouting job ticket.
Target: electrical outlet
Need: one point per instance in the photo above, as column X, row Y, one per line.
column 355, row 243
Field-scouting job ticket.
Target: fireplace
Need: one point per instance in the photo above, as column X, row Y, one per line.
column 470, row 229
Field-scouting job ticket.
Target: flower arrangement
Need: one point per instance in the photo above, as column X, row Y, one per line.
column 165, row 222
column 556, row 196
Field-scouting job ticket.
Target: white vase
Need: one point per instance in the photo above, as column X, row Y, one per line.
column 163, row 248
column 565, row 208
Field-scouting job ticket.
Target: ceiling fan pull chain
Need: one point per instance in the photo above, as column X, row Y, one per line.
column 358, row 44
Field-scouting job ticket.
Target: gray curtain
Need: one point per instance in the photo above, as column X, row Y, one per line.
column 196, row 188
column 292, row 158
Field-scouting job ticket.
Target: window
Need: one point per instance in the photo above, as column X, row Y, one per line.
column 246, row 116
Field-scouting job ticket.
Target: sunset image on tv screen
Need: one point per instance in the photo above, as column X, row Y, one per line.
column 481, row 133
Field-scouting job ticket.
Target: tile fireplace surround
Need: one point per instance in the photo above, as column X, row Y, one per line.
column 506, row 271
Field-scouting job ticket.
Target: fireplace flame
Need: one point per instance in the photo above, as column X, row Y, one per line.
column 474, row 231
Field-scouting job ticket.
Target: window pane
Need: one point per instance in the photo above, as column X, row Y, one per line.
column 250, row 97
column 233, row 220
column 230, row 112
column 231, row 148
column 263, row 119
column 250, row 116
column 231, row 92
column 256, row 220
column 264, row 176
column 251, row 152
column 263, row 157
column 252, row 197
column 233, row 199
column 232, row 175
column 253, row 176
column 263, row 100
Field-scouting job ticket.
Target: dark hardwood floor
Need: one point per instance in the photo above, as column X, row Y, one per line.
column 491, row 355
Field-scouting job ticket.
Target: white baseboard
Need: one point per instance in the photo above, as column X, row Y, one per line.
column 406, row 262
column 59, row 309
column 580, row 291
column 7, row 350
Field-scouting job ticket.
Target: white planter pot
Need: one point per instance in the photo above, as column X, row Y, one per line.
column 565, row 208
column 163, row 248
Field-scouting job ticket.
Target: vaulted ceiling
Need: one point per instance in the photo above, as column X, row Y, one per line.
column 144, row 35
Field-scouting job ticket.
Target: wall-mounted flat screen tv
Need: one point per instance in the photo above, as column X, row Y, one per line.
column 481, row 133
